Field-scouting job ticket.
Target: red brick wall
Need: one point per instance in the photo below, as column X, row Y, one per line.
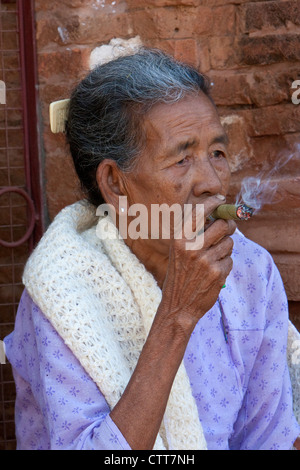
column 251, row 51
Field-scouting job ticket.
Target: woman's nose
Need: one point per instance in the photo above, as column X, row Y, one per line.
column 206, row 179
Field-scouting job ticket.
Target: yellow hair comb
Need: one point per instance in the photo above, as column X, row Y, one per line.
column 58, row 111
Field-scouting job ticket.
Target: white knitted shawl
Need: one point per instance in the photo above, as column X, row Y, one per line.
column 102, row 301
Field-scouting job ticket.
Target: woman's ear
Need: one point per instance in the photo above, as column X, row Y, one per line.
column 111, row 182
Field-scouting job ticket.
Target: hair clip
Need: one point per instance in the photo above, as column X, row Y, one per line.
column 58, row 111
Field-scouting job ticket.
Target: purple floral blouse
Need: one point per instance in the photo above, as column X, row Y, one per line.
column 236, row 363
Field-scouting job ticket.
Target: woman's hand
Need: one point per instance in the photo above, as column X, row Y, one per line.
column 195, row 277
column 193, row 282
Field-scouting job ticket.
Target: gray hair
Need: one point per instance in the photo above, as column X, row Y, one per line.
column 108, row 106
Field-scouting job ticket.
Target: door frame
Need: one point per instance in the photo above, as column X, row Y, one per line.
column 30, row 102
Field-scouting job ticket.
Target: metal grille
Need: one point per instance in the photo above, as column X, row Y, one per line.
column 12, row 209
column 15, row 231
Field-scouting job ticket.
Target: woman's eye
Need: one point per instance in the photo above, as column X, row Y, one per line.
column 181, row 162
column 218, row 154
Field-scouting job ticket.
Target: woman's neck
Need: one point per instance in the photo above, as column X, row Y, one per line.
column 154, row 257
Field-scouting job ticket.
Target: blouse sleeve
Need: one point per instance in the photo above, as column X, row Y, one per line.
column 58, row 406
column 266, row 420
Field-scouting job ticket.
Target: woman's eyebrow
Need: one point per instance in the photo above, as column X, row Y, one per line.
column 181, row 146
column 186, row 145
column 220, row 139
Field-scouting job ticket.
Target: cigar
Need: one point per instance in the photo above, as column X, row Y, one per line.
column 232, row 211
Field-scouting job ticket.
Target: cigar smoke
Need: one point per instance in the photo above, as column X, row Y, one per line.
column 256, row 191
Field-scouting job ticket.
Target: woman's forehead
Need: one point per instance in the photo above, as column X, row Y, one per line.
column 189, row 120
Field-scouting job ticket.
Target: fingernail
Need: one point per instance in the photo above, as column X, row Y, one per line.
column 220, row 196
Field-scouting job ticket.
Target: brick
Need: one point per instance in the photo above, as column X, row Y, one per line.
column 203, row 54
column 45, row 5
column 282, row 206
column 294, row 313
column 239, row 149
column 161, row 3
column 171, row 23
column 224, row 52
column 293, row 140
column 166, row 45
column 261, row 88
column 289, row 268
column 271, row 15
column 273, row 120
column 280, row 198
column 266, row 87
column 62, row 187
column 57, row 91
column 213, row 3
column 231, row 88
column 273, row 85
column 276, row 235
column 186, row 50
column 46, row 31
column 224, row 20
column 288, row 198
column 63, row 65
column 269, row 49
column 267, row 149
column 97, row 27
column 85, row 27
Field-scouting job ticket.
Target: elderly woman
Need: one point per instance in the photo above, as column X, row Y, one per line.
column 131, row 342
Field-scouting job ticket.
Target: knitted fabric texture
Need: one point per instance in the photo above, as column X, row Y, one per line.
column 102, row 302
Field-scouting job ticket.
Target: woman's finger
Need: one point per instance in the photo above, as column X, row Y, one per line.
column 219, row 230
column 195, row 218
column 221, row 249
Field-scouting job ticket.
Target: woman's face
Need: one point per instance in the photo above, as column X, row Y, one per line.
column 185, row 159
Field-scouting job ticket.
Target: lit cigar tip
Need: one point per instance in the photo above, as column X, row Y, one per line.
column 244, row 212
column 232, row 211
